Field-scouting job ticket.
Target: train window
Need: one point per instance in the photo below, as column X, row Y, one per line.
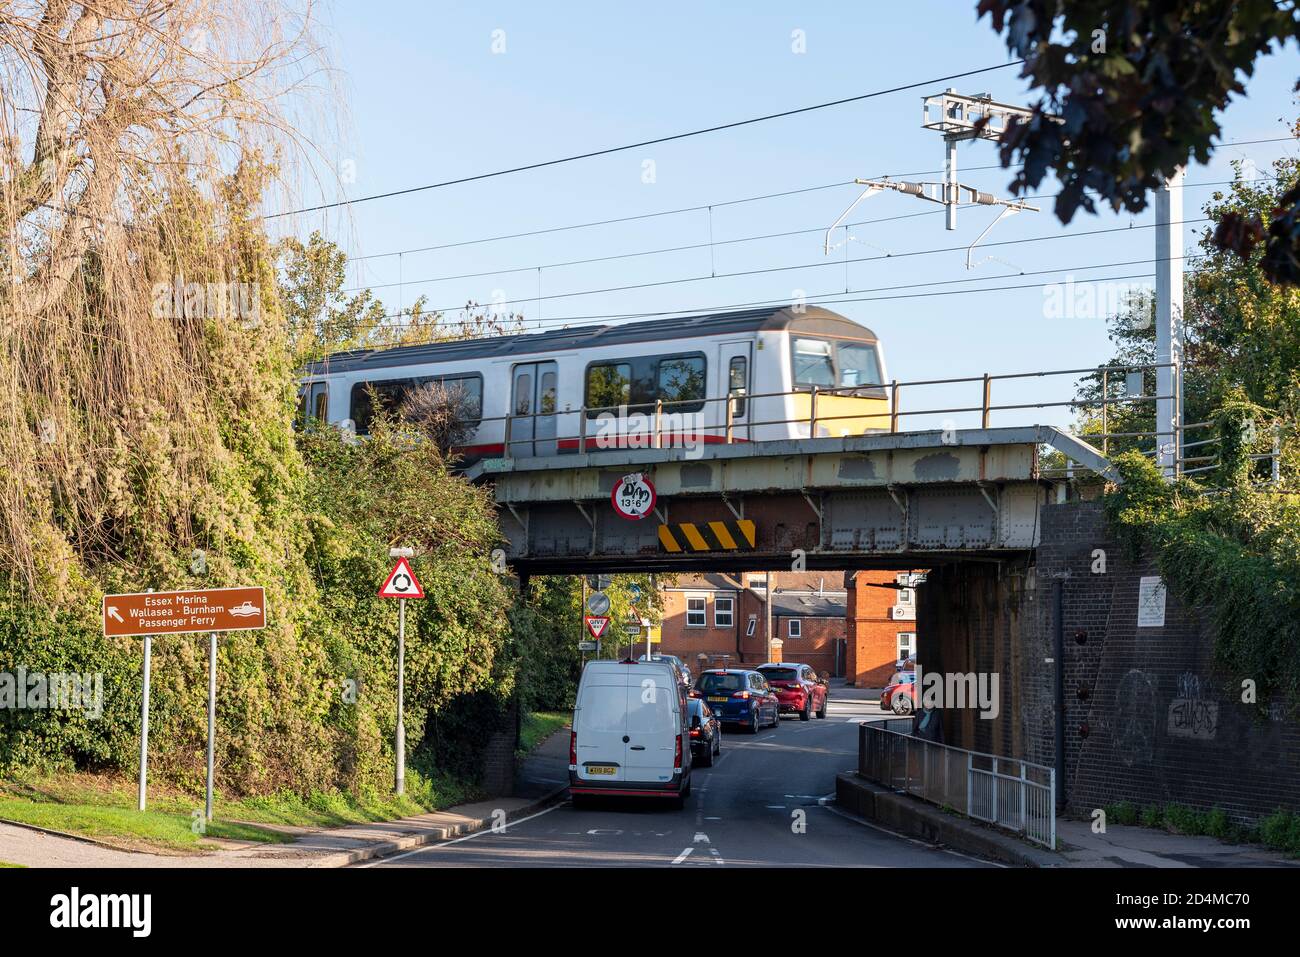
column 857, row 365
column 523, row 393
column 812, row 363
column 609, row 385
column 392, row 394
column 681, row 383
column 547, row 401
column 387, row 397
column 313, row 403
column 737, row 382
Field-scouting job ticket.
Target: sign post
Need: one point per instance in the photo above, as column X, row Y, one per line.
column 207, row 610
column 144, row 727
column 401, row 584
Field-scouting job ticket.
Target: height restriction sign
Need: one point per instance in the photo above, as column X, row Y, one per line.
column 633, row 496
column 401, row 582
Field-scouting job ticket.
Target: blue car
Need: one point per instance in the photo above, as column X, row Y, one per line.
column 740, row 697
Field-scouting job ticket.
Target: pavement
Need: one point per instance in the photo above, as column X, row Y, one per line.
column 1126, row 846
column 537, row 783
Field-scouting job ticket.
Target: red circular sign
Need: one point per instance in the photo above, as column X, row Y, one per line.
column 633, row 496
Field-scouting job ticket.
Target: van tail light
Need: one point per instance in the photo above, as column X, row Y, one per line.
column 677, row 756
column 741, row 694
column 573, row 748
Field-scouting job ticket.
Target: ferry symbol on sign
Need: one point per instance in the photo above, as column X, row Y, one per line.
column 401, row 582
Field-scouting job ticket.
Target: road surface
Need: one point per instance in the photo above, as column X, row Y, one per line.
column 769, row 800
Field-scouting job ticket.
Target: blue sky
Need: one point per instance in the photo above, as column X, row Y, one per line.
column 427, row 99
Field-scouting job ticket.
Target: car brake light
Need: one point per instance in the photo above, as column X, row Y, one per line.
column 573, row 748
column 741, row 694
column 695, row 732
column 677, row 756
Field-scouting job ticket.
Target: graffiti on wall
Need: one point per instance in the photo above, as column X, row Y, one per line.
column 1191, row 715
column 1135, row 718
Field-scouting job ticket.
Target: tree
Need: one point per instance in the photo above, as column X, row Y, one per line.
column 131, row 139
column 1130, row 90
column 1242, row 337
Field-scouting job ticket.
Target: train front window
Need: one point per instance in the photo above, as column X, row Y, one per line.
column 856, row 364
column 812, row 363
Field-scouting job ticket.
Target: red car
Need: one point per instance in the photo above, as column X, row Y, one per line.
column 798, row 688
column 899, row 695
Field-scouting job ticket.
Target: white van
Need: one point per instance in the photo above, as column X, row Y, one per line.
column 630, row 733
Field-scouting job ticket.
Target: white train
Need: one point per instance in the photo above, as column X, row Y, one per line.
column 656, row 382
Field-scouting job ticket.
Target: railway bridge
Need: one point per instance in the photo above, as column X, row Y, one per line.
column 889, row 500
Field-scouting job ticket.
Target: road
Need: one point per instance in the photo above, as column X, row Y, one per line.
column 768, row 801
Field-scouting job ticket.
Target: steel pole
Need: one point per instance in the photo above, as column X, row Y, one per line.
column 401, row 681
column 212, row 715
column 1169, row 321
column 144, row 724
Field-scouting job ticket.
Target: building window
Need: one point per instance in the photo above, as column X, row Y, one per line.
column 723, row 609
column 795, row 628
column 906, row 645
column 753, row 623
column 695, row 617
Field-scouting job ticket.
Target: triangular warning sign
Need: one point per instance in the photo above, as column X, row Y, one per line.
column 401, row 583
column 596, row 624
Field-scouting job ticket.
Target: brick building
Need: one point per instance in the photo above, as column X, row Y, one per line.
column 881, row 625
column 723, row 618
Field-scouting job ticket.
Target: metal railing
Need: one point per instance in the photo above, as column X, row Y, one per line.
column 733, row 426
column 1013, row 794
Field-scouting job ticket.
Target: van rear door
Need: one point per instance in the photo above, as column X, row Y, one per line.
column 600, row 724
column 653, row 724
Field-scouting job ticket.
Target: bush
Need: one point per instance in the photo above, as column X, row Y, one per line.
column 1125, row 812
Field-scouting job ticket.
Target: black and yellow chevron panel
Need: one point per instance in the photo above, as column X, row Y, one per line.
column 730, row 536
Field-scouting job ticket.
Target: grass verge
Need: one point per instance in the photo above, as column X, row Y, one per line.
column 104, row 808
column 537, row 726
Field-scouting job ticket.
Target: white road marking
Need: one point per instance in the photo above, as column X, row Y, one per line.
column 457, row 840
column 683, row 855
column 702, row 838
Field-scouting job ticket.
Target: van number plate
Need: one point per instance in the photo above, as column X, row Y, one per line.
column 601, row 769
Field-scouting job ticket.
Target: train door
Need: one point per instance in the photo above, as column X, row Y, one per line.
column 735, row 365
column 533, row 407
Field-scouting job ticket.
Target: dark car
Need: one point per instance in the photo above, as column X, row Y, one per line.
column 899, row 695
column 798, row 688
column 739, row 696
column 676, row 662
column 706, row 732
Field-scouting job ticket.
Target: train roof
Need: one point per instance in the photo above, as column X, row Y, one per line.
column 812, row 320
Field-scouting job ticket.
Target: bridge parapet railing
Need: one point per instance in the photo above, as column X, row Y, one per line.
column 729, row 425
column 1017, row 795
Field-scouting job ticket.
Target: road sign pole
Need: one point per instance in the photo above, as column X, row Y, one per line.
column 144, row 724
column 212, row 716
column 401, row 681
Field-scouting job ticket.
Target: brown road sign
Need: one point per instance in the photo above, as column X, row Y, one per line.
column 178, row 612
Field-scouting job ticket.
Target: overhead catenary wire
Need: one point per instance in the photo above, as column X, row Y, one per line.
column 700, row 207
column 591, row 154
column 821, row 264
column 506, row 270
column 846, row 296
